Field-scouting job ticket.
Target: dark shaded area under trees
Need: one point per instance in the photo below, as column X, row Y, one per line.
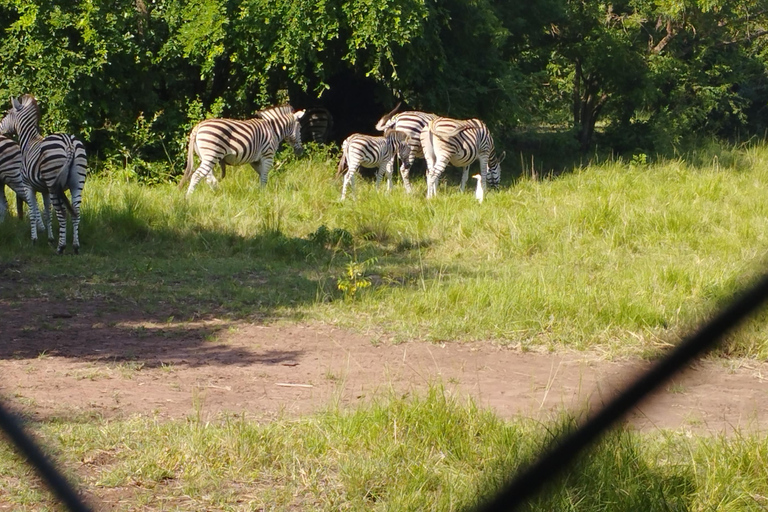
column 559, row 76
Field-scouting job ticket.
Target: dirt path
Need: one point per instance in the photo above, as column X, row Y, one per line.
column 56, row 362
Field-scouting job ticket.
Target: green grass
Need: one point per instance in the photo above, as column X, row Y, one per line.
column 424, row 453
column 616, row 257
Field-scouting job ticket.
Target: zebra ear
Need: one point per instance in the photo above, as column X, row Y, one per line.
column 503, row 156
column 15, row 103
column 299, row 114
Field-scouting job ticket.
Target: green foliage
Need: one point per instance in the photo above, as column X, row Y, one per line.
column 645, row 73
column 354, row 278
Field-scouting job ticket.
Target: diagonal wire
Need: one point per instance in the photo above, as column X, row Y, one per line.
column 530, row 480
column 59, row 485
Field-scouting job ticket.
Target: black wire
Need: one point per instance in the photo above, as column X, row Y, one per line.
column 47, row 471
column 563, row 451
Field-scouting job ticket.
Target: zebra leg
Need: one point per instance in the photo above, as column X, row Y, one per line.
column 34, row 213
column 349, row 181
column 433, row 176
column 61, row 215
column 47, row 215
column 484, row 173
column 265, row 164
column 380, row 171
column 76, row 184
column 464, row 178
column 204, row 170
column 76, row 200
column 388, row 169
column 404, row 173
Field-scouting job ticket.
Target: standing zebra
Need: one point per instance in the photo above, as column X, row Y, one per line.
column 233, row 142
column 373, row 152
column 460, row 143
column 316, row 125
column 50, row 165
column 10, row 174
column 411, row 123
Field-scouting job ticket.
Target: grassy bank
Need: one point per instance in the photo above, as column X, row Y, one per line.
column 428, row 453
column 620, row 257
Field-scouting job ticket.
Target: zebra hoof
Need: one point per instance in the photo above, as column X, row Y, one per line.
column 76, row 249
column 60, row 249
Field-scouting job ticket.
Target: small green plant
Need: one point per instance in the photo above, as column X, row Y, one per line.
column 354, row 278
column 639, row 160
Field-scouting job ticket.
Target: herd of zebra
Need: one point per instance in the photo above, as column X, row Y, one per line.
column 53, row 164
column 407, row 135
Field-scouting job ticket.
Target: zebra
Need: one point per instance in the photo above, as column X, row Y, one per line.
column 460, row 143
column 411, row 123
column 316, row 125
column 10, row 175
column 233, row 142
column 372, row 152
column 50, row 165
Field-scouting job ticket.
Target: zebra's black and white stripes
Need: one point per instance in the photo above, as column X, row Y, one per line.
column 373, row 152
column 460, row 143
column 233, row 142
column 10, row 175
column 316, row 125
column 411, row 123
column 50, row 165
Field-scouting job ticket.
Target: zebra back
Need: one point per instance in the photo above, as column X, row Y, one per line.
column 466, row 141
column 242, row 141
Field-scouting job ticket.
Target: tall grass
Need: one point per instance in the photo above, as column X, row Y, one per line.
column 423, row 453
column 620, row 257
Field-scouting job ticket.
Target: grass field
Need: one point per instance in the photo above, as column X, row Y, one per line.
column 620, row 258
column 616, row 257
column 428, row 453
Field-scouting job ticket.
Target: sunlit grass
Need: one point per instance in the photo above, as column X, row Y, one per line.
column 617, row 257
column 424, row 453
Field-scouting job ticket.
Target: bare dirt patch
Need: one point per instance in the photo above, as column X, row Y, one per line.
column 72, row 360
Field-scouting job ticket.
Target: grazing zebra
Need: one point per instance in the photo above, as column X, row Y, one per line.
column 460, row 143
column 51, row 165
column 233, row 142
column 372, row 152
column 411, row 123
column 316, row 125
column 10, row 175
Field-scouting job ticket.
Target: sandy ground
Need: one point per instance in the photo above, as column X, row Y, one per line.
column 68, row 360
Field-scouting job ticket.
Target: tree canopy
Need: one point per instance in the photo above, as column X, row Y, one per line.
column 133, row 76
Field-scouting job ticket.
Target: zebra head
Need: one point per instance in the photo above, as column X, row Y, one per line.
column 22, row 117
column 294, row 133
column 285, row 123
column 494, row 168
column 399, row 142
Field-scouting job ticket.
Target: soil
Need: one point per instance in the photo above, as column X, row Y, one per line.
column 69, row 360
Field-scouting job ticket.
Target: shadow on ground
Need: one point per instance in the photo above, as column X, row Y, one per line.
column 36, row 328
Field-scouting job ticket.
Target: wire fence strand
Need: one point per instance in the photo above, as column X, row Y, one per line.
column 563, row 451
column 55, row 480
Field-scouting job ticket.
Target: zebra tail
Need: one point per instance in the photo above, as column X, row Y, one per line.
column 342, row 164
column 190, row 159
column 59, row 185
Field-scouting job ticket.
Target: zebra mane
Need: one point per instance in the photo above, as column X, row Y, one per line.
column 28, row 99
column 275, row 112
